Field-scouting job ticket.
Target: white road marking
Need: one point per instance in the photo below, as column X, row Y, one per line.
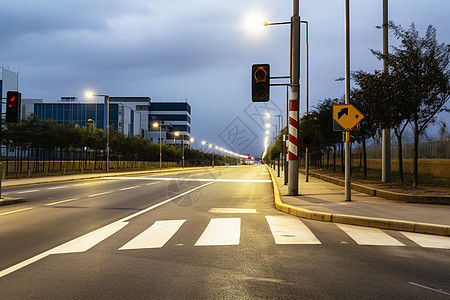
column 162, row 203
column 151, row 183
column 190, row 179
column 130, row 188
column 57, row 187
column 15, row 211
column 369, row 236
column 89, row 240
column 232, row 210
column 58, row 202
column 99, row 194
column 81, row 184
column 290, row 230
column 82, row 242
column 156, row 236
column 30, row 191
column 219, row 232
column 431, row 289
column 429, row 240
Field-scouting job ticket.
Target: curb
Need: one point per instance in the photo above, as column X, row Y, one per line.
column 8, row 201
column 386, row 194
column 357, row 220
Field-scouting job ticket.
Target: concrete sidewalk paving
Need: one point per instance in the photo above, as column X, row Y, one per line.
column 325, row 201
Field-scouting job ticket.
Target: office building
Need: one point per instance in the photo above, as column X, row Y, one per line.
column 173, row 117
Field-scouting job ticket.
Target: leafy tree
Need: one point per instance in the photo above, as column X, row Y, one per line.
column 422, row 67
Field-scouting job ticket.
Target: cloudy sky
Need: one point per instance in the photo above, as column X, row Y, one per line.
column 197, row 50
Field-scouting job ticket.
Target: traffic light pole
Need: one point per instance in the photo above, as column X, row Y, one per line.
column 294, row 101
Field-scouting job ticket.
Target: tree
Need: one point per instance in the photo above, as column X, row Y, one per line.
column 422, row 66
column 384, row 104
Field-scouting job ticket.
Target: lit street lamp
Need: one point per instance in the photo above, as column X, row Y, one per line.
column 160, row 152
column 107, row 125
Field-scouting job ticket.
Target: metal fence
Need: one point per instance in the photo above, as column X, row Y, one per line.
column 432, row 149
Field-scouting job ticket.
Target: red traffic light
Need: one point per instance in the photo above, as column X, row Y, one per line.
column 13, row 106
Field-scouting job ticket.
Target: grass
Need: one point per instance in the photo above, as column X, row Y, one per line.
column 374, row 175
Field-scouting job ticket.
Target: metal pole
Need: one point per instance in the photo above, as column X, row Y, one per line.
column 182, row 146
column 386, row 133
column 107, row 133
column 348, row 195
column 160, row 149
column 307, row 97
column 294, row 101
column 286, row 139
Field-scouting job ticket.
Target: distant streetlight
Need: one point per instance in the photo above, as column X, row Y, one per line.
column 93, row 123
column 156, row 124
column 90, row 94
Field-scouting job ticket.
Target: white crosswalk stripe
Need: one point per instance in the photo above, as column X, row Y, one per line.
column 221, row 231
column 290, row 230
column 155, row 236
column 369, row 236
column 428, row 240
column 227, row 231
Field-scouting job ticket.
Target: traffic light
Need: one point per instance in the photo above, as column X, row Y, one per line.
column 13, row 100
column 260, row 82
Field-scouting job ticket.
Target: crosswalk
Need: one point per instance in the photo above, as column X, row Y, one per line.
column 285, row 230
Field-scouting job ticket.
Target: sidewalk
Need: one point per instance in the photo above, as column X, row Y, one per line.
column 325, row 201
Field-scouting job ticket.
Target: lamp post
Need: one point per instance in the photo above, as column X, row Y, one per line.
column 93, row 122
column 160, row 147
column 177, row 133
column 106, row 97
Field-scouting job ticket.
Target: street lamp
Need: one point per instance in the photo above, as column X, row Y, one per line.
column 93, row 123
column 107, row 125
column 156, row 124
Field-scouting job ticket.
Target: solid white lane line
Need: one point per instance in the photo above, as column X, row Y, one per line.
column 80, row 244
column 162, row 203
column 290, row 230
column 430, row 289
column 30, row 191
column 369, row 236
column 24, row 263
column 83, row 241
column 155, row 236
column 57, row 187
column 15, row 211
column 232, row 210
column 89, row 240
column 223, row 231
column 58, row 202
column 130, row 188
column 99, row 194
column 190, row 179
column 428, row 240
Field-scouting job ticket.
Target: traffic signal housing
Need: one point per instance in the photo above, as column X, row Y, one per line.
column 260, row 82
column 13, row 105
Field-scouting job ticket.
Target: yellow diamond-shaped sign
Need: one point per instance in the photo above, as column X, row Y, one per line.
column 347, row 116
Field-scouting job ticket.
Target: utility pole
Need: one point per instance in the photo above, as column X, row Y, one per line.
column 348, row 195
column 294, row 101
column 386, row 133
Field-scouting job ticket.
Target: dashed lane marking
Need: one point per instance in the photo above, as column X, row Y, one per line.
column 15, row 211
column 62, row 201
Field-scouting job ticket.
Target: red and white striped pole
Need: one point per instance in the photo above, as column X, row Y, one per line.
column 294, row 101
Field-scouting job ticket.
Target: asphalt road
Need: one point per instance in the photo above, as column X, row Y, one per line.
column 203, row 234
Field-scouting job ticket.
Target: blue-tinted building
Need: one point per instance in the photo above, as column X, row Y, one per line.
column 121, row 118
